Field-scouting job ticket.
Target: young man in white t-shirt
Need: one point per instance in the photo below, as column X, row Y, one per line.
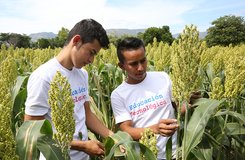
column 143, row 100
column 84, row 41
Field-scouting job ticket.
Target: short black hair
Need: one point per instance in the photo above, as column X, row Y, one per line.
column 89, row 30
column 128, row 43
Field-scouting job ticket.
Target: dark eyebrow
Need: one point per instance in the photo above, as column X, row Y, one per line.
column 136, row 62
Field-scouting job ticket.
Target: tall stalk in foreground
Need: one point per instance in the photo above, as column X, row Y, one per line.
column 185, row 74
column 8, row 75
column 62, row 106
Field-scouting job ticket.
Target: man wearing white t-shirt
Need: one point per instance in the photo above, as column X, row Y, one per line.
column 84, row 41
column 143, row 100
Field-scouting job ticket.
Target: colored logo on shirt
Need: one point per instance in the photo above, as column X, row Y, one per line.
column 151, row 103
column 78, row 94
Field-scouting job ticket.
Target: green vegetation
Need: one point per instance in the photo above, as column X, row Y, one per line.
column 226, row 30
column 214, row 128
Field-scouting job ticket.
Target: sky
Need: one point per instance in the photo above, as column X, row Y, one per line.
column 33, row 16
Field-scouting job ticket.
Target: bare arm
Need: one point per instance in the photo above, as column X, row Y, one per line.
column 29, row 117
column 135, row 133
column 91, row 147
column 94, row 124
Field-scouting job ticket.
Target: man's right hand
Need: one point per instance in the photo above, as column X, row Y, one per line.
column 167, row 127
column 91, row 147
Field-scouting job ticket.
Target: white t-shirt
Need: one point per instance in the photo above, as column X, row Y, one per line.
column 145, row 104
column 37, row 97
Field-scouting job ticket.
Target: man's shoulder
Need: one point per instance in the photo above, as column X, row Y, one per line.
column 47, row 69
column 118, row 89
column 45, row 66
column 158, row 73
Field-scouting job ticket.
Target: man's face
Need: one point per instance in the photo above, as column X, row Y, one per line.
column 85, row 53
column 135, row 65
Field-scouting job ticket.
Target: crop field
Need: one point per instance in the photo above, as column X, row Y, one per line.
column 213, row 129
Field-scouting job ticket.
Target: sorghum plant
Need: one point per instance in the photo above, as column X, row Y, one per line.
column 185, row 62
column 149, row 139
column 8, row 75
column 62, row 109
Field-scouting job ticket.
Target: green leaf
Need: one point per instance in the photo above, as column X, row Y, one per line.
column 109, row 143
column 197, row 124
column 149, row 155
column 238, row 116
column 202, row 153
column 169, row 149
column 18, row 109
column 124, row 139
column 19, row 82
column 120, row 136
column 35, row 136
column 47, row 146
column 234, row 129
column 19, row 101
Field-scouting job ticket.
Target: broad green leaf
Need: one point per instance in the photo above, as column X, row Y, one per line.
column 18, row 109
column 238, row 116
column 111, row 150
column 47, row 146
column 109, row 143
column 26, row 139
column 210, row 139
column 19, row 82
column 234, row 129
column 197, row 124
column 202, row 153
column 149, row 155
column 114, row 141
column 120, row 136
column 19, row 101
column 132, row 153
column 169, row 149
column 32, row 134
column 200, row 101
column 124, row 139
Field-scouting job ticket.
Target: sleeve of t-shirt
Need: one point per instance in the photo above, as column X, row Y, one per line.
column 120, row 112
column 37, row 96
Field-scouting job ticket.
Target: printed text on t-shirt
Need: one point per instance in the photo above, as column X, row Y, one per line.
column 150, row 103
column 78, row 94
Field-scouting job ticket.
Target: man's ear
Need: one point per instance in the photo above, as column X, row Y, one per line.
column 76, row 39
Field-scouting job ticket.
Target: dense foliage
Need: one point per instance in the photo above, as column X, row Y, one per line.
column 215, row 129
column 16, row 40
column 161, row 34
column 226, row 30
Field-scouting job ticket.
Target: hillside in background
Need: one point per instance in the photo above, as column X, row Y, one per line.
column 120, row 32
column 201, row 35
column 113, row 32
column 46, row 35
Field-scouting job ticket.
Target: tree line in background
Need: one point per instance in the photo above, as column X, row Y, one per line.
column 226, row 30
column 24, row 41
